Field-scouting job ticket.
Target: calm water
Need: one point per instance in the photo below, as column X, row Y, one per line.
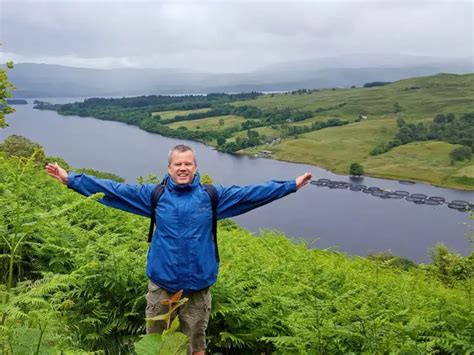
column 348, row 221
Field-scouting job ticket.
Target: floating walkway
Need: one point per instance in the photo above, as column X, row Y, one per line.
column 419, row 199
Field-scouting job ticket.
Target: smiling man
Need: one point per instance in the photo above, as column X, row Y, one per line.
column 182, row 254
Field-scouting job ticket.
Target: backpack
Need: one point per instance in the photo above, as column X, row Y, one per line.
column 211, row 191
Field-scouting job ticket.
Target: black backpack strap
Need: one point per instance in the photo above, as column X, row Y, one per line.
column 155, row 196
column 212, row 192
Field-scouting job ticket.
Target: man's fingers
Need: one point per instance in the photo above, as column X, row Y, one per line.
column 56, row 172
column 303, row 180
column 51, row 169
column 307, row 177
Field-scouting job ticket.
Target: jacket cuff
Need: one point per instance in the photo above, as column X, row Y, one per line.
column 292, row 186
column 71, row 179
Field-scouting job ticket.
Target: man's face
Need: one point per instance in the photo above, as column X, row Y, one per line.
column 182, row 167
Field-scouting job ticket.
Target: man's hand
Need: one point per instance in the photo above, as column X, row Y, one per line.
column 303, row 180
column 55, row 171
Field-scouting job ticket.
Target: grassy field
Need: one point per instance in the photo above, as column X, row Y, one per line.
column 210, row 123
column 267, row 131
column 336, row 147
column 166, row 115
column 318, row 118
column 425, row 161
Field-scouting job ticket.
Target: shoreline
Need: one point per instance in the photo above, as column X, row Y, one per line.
column 377, row 176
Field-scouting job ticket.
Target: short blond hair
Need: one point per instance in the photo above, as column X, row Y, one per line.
column 181, row 148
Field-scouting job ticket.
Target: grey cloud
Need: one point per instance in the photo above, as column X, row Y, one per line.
column 231, row 36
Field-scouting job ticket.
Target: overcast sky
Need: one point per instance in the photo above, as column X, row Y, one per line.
column 228, row 36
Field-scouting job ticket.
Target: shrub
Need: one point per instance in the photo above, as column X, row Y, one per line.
column 18, row 146
column 461, row 153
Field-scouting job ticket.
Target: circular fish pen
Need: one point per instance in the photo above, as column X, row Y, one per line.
column 460, row 205
column 419, row 196
column 416, row 198
column 401, row 193
column 437, row 199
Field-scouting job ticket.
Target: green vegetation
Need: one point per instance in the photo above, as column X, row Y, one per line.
column 328, row 128
column 166, row 115
column 171, row 341
column 67, row 284
column 18, row 146
column 443, row 128
column 435, row 94
column 356, row 169
column 424, row 161
column 461, row 153
column 6, row 89
column 211, row 123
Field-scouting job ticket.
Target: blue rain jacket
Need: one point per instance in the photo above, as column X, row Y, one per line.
column 182, row 253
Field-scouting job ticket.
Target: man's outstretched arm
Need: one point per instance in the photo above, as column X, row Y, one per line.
column 235, row 200
column 126, row 197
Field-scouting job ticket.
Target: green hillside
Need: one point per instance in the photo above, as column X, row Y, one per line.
column 330, row 128
column 72, row 281
column 420, row 99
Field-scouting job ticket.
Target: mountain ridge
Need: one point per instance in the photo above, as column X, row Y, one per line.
column 53, row 80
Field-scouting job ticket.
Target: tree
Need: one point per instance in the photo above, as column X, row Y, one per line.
column 221, row 121
column 252, row 134
column 400, row 122
column 6, row 89
column 439, row 118
column 450, row 117
column 396, row 107
column 220, row 141
column 356, row 169
column 461, row 153
column 18, row 146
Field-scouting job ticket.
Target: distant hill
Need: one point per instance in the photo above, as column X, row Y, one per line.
column 44, row 80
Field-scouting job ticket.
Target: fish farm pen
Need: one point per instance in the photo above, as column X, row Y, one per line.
column 420, row 199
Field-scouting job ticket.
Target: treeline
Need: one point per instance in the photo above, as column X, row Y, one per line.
column 292, row 130
column 141, row 107
column 254, row 139
column 153, row 125
column 376, row 83
column 270, row 116
column 444, row 127
column 68, row 285
column 166, row 100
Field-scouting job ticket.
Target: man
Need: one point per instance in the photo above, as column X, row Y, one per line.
column 182, row 254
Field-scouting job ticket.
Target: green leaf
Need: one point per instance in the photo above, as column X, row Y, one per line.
column 164, row 316
column 174, row 344
column 149, row 344
column 174, row 325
